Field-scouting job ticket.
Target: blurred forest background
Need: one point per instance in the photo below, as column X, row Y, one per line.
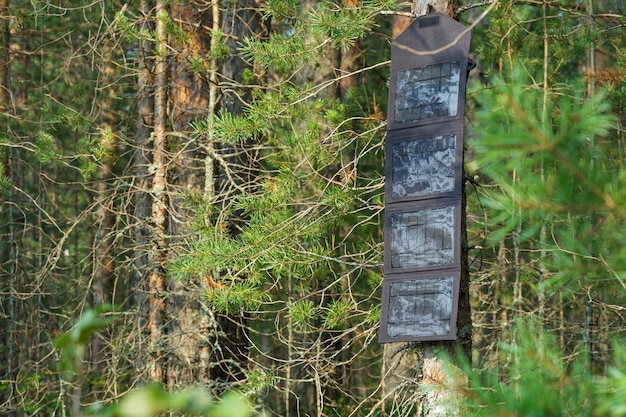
column 192, row 193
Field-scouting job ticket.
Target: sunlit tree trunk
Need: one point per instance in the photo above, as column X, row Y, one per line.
column 415, row 378
column 190, row 324
column 157, row 284
column 190, row 83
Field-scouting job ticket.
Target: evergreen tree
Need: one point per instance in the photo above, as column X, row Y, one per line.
column 302, row 266
column 546, row 159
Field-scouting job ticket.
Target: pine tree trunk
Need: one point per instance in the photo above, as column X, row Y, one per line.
column 157, row 284
column 185, row 347
column 142, row 197
column 415, row 379
column 190, row 324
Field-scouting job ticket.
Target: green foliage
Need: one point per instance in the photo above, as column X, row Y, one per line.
column 73, row 343
column 538, row 381
column 219, row 46
column 292, row 236
column 65, row 118
column 130, row 31
column 611, row 397
column 94, row 150
column 44, row 149
column 616, row 85
column 556, row 148
column 305, row 233
column 33, row 383
column 544, row 146
column 174, row 31
column 228, row 128
column 282, row 53
column 88, row 169
column 550, row 157
column 337, row 314
column 535, row 382
column 237, row 298
column 257, row 381
column 280, row 9
column 5, row 182
column 373, row 316
column 340, row 199
column 302, row 314
column 342, row 25
column 153, row 401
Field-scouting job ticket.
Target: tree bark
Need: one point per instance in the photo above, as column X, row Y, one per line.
column 447, row 7
column 420, row 8
column 180, row 326
column 142, row 196
column 158, row 245
column 349, row 60
column 190, row 324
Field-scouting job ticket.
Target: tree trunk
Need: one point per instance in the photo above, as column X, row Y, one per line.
column 183, row 335
column 415, row 379
column 190, row 324
column 142, row 196
column 447, row 7
column 158, row 244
